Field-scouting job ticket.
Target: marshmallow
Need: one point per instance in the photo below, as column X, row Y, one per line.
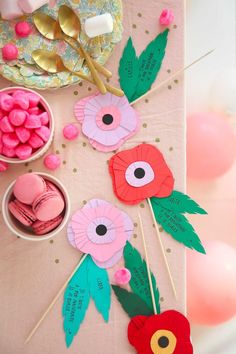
column 98, row 25
column 10, row 9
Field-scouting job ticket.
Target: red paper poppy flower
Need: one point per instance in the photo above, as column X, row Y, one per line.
column 140, row 173
column 167, row 333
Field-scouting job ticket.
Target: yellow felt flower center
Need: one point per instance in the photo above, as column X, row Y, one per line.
column 163, row 342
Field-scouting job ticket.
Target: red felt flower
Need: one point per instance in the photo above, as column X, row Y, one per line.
column 140, row 173
column 167, row 333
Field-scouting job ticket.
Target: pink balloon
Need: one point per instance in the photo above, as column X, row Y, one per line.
column 211, row 146
column 211, row 284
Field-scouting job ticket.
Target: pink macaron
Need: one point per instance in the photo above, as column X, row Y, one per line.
column 22, row 212
column 28, row 187
column 48, row 205
column 44, row 227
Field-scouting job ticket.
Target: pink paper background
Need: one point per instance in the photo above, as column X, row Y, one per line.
column 31, row 273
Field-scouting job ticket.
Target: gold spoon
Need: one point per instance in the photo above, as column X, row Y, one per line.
column 70, row 25
column 50, row 29
column 53, row 63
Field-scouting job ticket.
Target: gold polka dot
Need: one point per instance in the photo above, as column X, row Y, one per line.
column 176, row 81
column 147, row 32
column 157, row 140
column 143, row 142
column 63, row 146
column 139, row 14
column 18, row 236
column 161, row 299
column 169, row 71
column 108, row 80
column 76, row 93
column 30, row 170
column 174, row 26
column 169, row 87
column 74, row 170
column 80, row 83
column 114, row 151
column 142, row 205
column 84, row 202
column 57, row 260
column 160, row 229
column 168, row 250
column 171, row 148
column 89, row 89
column 153, row 225
column 135, row 224
column 134, row 25
column 146, row 100
column 144, row 125
column 84, row 144
column 135, row 235
column 64, row 162
column 108, row 162
column 26, row 164
column 51, row 241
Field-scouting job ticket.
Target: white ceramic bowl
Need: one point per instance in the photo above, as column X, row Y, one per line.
column 43, row 149
column 22, row 231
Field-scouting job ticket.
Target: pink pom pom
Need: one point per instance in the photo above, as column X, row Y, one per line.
column 23, row 29
column 166, row 17
column 122, row 276
column 9, row 52
column 3, row 166
column 70, row 132
column 52, row 161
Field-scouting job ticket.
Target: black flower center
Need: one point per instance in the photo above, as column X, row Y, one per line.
column 163, row 342
column 139, row 173
column 101, row 230
column 107, row 119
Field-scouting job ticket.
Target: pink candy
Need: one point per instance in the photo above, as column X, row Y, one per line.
column 23, row 134
column 9, row 52
column 6, row 102
column 166, row 17
column 35, row 141
column 6, row 126
column 10, row 140
column 23, row 29
column 122, row 276
column 70, row 131
column 17, row 117
column 33, row 122
column 21, row 100
column 43, row 133
column 52, row 161
column 23, row 152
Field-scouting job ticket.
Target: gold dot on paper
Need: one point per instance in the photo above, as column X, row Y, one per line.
column 139, row 14
column 74, row 170
column 76, row 93
column 135, row 224
column 30, row 170
column 153, row 225
column 176, row 81
column 146, row 100
column 157, row 140
column 84, row 144
column 174, row 26
column 160, row 229
column 142, row 205
column 57, row 260
column 89, row 89
column 84, row 202
column 64, row 162
column 147, row 32
column 169, row 71
column 134, row 25
column 108, row 80
column 135, row 235
column 144, row 125
column 18, row 236
column 51, row 241
column 81, row 84
column 168, row 250
column 26, row 164
column 63, row 146
column 169, row 87
column 161, row 299
column 57, row 152
column 171, row 148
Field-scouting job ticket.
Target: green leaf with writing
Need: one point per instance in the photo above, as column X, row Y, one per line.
column 180, row 203
column 132, row 304
column 99, row 287
column 150, row 63
column 129, row 70
column 76, row 301
column 139, row 277
column 177, row 226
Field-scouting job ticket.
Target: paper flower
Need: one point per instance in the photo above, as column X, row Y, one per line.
column 101, row 230
column 107, row 120
column 140, row 173
column 167, row 333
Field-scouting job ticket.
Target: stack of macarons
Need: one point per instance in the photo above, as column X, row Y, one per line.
column 24, row 124
column 37, row 203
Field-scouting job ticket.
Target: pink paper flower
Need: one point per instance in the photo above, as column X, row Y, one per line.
column 101, row 230
column 107, row 120
column 166, row 17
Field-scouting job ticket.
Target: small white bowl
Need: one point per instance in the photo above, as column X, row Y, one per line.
column 43, row 149
column 22, row 231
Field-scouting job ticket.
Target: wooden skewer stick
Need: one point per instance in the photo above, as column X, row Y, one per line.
column 163, row 83
column 55, row 299
column 148, row 265
column 162, row 248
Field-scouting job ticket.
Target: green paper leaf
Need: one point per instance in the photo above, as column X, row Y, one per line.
column 76, row 301
column 177, row 226
column 99, row 287
column 139, row 277
column 150, row 63
column 180, row 203
column 132, row 304
column 129, row 70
